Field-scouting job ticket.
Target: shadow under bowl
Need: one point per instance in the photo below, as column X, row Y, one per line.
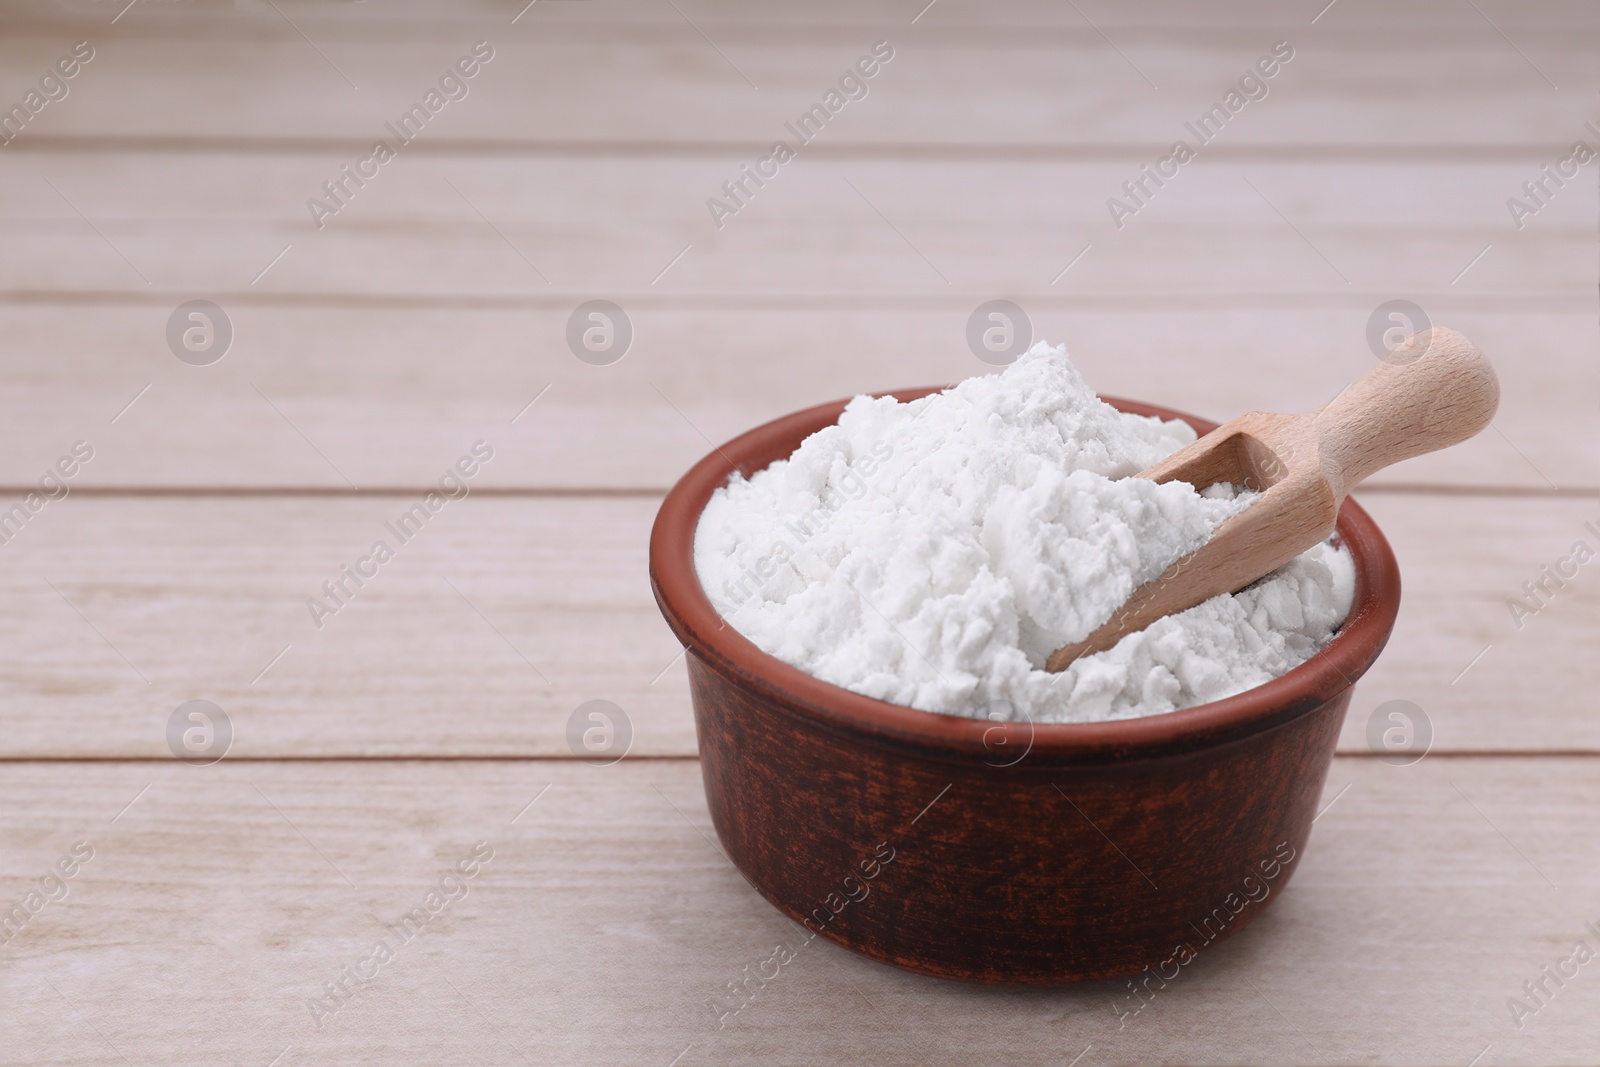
column 1005, row 852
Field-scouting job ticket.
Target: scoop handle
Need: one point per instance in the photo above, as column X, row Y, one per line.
column 1431, row 391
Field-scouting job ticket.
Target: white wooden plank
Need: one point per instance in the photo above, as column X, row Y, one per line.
column 661, row 76
column 389, row 394
column 199, row 594
column 223, row 898
column 484, row 226
column 481, row 637
column 1508, row 679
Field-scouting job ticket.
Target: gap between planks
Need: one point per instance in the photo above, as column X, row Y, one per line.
column 394, row 491
column 933, row 151
column 648, row 492
column 236, row 28
column 17, row 761
column 1361, row 299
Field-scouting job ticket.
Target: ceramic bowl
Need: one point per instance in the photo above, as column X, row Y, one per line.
column 1012, row 853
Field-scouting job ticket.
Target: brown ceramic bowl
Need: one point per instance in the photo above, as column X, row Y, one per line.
column 1005, row 853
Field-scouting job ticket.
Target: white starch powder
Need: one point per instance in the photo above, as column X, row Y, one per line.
column 935, row 553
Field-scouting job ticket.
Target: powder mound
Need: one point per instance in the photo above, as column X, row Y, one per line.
column 935, row 553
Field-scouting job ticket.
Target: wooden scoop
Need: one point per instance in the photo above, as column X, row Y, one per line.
column 1431, row 391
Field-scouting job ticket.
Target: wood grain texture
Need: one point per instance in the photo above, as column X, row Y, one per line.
column 1433, row 391
column 389, row 395
column 460, row 227
column 480, row 637
column 224, row 898
column 1459, row 651
column 202, row 592
column 645, row 73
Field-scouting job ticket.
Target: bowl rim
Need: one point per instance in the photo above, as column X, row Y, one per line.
column 719, row 646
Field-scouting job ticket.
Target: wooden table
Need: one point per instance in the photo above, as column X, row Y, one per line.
column 221, row 913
